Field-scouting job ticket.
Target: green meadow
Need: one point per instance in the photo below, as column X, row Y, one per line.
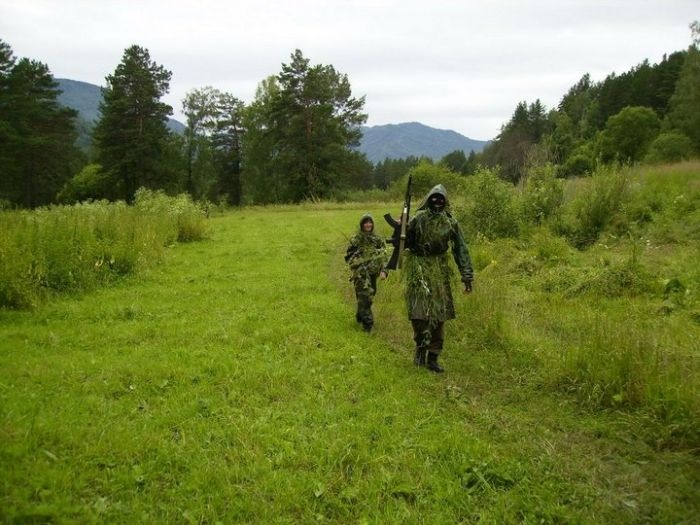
column 225, row 380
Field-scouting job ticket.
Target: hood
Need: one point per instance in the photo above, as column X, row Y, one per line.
column 438, row 189
column 364, row 218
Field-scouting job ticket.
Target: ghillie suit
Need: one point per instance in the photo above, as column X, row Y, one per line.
column 427, row 273
column 366, row 255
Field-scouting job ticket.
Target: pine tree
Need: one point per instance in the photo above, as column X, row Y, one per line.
column 131, row 136
column 301, row 132
column 37, row 151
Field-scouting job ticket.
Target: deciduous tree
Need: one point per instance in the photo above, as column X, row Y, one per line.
column 627, row 135
column 199, row 107
column 684, row 114
column 227, row 140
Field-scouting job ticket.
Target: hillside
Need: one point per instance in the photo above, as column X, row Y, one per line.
column 413, row 139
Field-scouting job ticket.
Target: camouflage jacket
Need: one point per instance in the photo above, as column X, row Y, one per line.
column 366, row 253
column 427, row 271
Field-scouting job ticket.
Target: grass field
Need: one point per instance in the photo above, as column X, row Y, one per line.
column 231, row 384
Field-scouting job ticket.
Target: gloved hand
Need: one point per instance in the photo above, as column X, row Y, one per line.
column 468, row 286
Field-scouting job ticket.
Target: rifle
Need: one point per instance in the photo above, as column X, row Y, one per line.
column 398, row 238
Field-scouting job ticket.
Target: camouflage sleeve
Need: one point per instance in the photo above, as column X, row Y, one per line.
column 352, row 250
column 461, row 254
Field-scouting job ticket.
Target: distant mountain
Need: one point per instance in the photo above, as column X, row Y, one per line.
column 394, row 141
column 398, row 141
column 85, row 99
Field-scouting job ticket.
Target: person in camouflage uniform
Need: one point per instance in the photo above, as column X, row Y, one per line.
column 366, row 256
column 427, row 272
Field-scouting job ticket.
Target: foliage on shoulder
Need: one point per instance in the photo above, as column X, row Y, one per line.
column 71, row 248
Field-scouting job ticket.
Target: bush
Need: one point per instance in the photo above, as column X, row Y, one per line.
column 186, row 219
column 614, row 363
column 490, row 209
column 671, row 146
column 576, row 165
column 425, row 177
column 597, row 205
column 543, row 194
column 90, row 183
column 628, row 134
column 626, row 279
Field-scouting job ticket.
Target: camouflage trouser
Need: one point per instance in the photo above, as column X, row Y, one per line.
column 428, row 336
column 364, row 292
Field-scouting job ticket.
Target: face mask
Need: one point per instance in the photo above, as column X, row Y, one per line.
column 436, row 203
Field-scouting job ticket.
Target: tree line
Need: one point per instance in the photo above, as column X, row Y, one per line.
column 298, row 138
column 650, row 113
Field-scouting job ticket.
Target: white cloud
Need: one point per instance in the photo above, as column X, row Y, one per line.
column 451, row 64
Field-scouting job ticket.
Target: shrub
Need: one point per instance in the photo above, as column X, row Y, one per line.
column 186, row 219
column 615, row 363
column 490, row 209
column 628, row 134
column 425, row 177
column 576, row 165
column 90, row 183
column 596, row 206
column 543, row 194
column 626, row 279
column 671, row 146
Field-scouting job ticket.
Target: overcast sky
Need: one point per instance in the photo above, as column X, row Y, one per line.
column 460, row 65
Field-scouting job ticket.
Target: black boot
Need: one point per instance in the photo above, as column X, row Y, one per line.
column 419, row 359
column 433, row 363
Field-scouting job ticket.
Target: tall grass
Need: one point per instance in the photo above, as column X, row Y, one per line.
column 69, row 248
column 614, row 359
column 604, row 290
column 233, row 385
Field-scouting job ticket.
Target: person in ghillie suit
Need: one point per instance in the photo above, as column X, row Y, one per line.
column 366, row 256
column 427, row 272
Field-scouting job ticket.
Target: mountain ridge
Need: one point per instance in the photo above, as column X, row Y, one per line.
column 378, row 143
column 413, row 139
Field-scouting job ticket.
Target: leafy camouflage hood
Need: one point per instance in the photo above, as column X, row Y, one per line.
column 364, row 218
column 439, row 189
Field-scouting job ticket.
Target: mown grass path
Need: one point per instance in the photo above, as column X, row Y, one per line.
column 231, row 384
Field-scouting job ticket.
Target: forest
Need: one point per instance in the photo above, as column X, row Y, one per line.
column 297, row 139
